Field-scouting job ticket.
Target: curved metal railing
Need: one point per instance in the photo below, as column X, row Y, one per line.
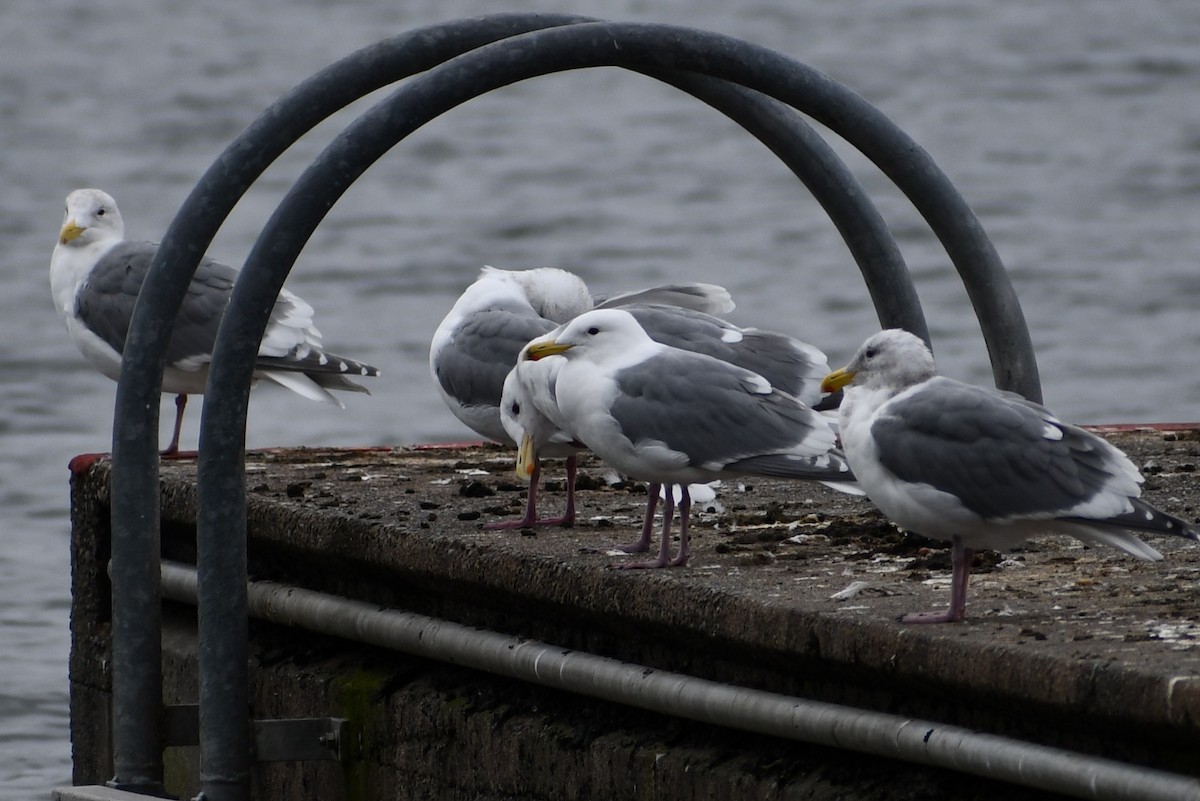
column 447, row 65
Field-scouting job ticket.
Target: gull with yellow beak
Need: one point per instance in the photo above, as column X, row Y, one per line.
column 979, row 467
column 790, row 365
column 95, row 277
column 670, row 416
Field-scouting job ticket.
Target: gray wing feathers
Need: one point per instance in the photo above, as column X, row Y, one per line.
column 708, row 298
column 483, row 350
column 830, row 466
column 195, row 329
column 105, row 301
column 992, row 451
column 719, row 421
column 790, row 365
column 105, row 305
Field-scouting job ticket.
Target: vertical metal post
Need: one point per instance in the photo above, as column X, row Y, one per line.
column 136, row 617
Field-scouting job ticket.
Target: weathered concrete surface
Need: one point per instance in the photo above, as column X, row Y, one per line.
column 1079, row 648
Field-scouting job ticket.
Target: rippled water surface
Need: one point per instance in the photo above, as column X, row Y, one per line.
column 1072, row 128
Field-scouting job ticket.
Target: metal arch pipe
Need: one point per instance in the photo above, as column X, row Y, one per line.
column 137, row 672
column 832, row 725
column 137, row 682
column 831, row 183
column 652, row 49
column 185, row 241
column 646, row 48
column 221, row 467
column 780, row 129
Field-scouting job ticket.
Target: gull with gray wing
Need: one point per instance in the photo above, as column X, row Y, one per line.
column 670, row 416
column 95, row 277
column 791, row 366
column 979, row 467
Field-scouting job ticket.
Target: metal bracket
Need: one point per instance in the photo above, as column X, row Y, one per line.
column 299, row 739
column 284, row 740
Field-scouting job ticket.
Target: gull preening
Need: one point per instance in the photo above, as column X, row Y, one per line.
column 95, row 277
column 476, row 345
column 979, row 467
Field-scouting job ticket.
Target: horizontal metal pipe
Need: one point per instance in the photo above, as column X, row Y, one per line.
column 891, row 736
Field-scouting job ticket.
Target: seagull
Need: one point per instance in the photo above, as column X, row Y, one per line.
column 670, row 416
column 979, row 467
column 476, row 345
column 789, row 365
column 95, row 277
column 538, row 437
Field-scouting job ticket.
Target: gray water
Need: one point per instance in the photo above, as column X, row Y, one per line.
column 1072, row 128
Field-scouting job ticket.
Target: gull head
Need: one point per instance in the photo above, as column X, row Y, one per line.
column 91, row 216
column 522, row 421
column 602, row 336
column 893, row 358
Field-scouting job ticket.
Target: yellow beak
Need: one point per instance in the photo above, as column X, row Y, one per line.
column 836, row 380
column 69, row 231
column 526, row 459
column 540, row 350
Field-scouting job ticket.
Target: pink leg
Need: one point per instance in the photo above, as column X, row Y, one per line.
column 643, row 544
column 530, row 520
column 568, row 518
column 180, row 404
column 664, row 546
column 685, row 511
column 960, row 559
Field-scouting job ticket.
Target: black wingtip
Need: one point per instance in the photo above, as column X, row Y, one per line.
column 827, row 467
column 1145, row 517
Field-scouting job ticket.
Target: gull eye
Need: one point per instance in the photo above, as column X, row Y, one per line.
column 870, row 353
column 516, row 408
column 593, row 330
column 100, row 211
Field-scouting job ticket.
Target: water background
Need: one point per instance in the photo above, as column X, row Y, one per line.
column 1072, row 128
